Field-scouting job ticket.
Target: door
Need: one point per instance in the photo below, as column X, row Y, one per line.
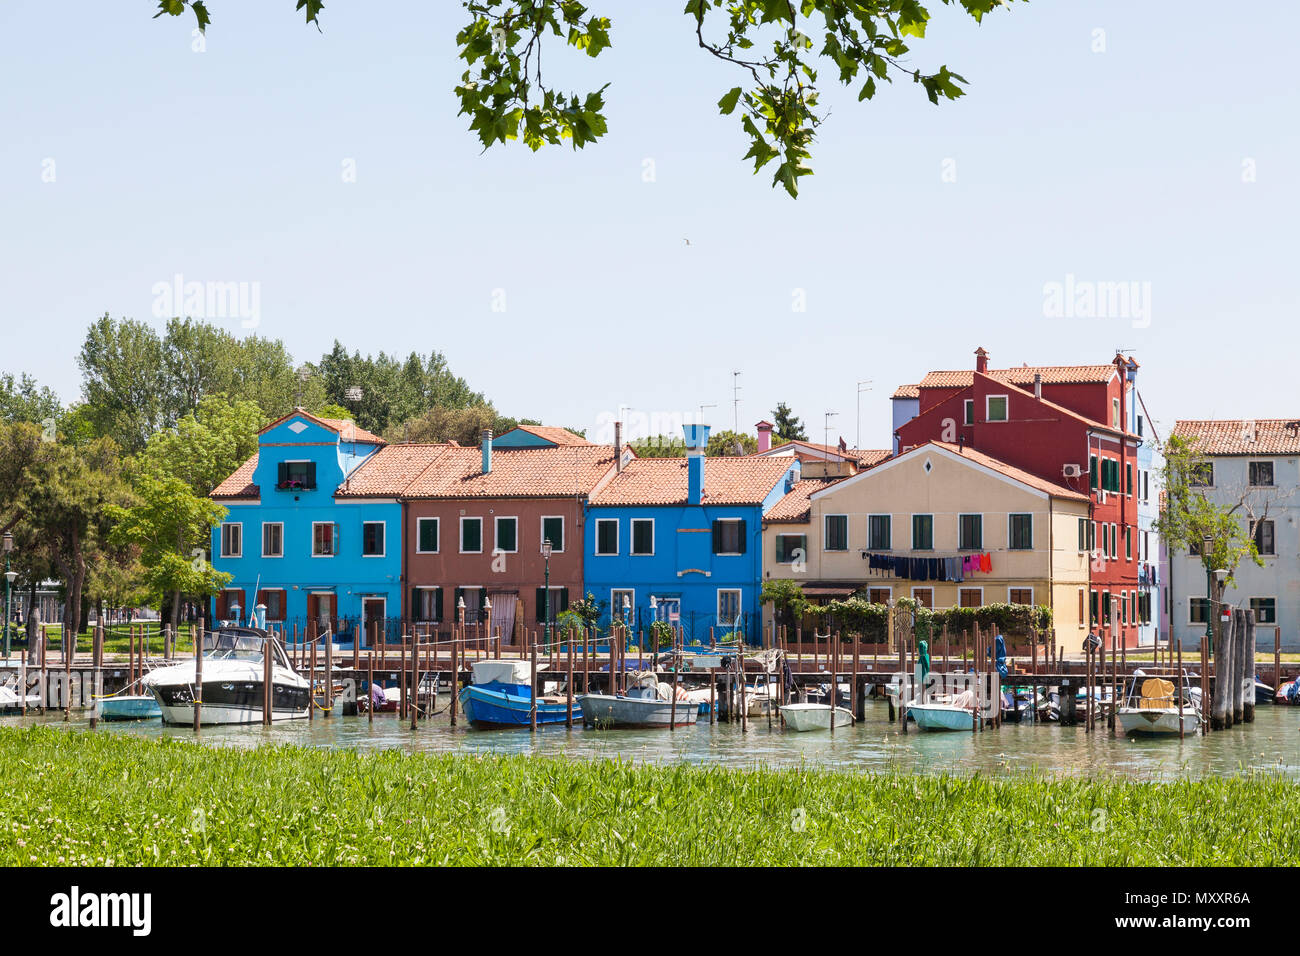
column 373, row 614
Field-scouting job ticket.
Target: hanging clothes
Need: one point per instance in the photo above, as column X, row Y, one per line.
column 986, row 563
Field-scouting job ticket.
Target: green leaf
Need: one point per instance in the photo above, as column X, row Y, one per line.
column 728, row 101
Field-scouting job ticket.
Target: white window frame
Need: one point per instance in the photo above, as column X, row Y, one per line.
column 437, row 537
column 596, row 542
column 912, row 531
column 889, row 520
column 631, row 538
column 1264, row 597
column 541, row 533
column 1208, row 610
column 788, row 534
column 740, row 602
column 1031, row 548
column 736, row 521
column 334, row 540
column 460, row 540
column 960, row 589
column 848, row 534
column 1030, row 589
column 298, row 461
column 960, row 515
column 496, row 534
column 1006, row 407
column 968, row 411
column 272, row 524
column 232, row 524
column 616, row 610
column 923, row 587
column 880, row 587
column 1252, row 530
column 430, row 587
column 1114, row 541
column 381, row 554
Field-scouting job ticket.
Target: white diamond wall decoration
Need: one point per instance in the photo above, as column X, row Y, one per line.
column 298, row 428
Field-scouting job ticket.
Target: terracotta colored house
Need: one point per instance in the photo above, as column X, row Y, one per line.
column 1068, row 425
column 473, row 523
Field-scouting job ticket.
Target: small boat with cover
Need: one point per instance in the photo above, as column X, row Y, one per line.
column 502, row 696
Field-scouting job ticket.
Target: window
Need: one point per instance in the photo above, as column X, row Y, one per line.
column 922, row 532
column 1092, row 536
column 1261, row 474
column 272, row 539
column 1105, row 539
column 728, row 605
column 1262, row 532
column 1092, row 472
column 1265, row 610
column 553, row 529
column 296, row 475
column 1201, row 475
column 970, row 532
column 970, row 597
column 559, row 603
column 1020, row 532
column 323, row 539
column 621, row 600
column 274, row 599
column 923, row 596
column 1105, row 607
column 1139, row 424
column 1128, row 542
column 1114, row 413
column 1114, row 540
column 1083, row 534
column 1146, row 485
column 372, row 539
column 729, row 536
column 879, row 532
column 1092, row 607
column 507, row 535
column 1123, row 607
column 426, row 604
column 1080, row 618
column 1144, row 607
column 1197, row 610
column 968, row 407
column 471, row 535
column 1128, row 479
column 426, row 536
column 473, row 598
column 227, row 601
column 643, row 536
column 232, row 540
column 1020, row 596
column 607, row 536
column 879, row 595
column 995, row 408
column 788, row 544
column 836, row 534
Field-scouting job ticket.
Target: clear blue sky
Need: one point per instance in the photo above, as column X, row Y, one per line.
column 1124, row 165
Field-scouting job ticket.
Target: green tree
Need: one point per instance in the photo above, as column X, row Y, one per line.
column 727, row 443
column 786, row 426
column 124, row 381
column 440, row 423
column 771, row 43
column 207, row 446
column 659, row 446
column 22, row 399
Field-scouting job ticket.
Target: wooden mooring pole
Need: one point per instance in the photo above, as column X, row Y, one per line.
column 198, row 680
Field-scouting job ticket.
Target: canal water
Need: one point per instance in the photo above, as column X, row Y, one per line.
column 1270, row 744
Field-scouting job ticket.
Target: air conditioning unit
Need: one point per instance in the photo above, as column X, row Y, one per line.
column 1072, row 471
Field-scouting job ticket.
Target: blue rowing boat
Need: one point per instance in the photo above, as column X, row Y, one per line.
column 141, row 707
column 497, row 698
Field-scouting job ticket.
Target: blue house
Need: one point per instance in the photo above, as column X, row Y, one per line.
column 680, row 540
column 295, row 542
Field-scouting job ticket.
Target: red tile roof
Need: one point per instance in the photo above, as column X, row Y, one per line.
column 390, row 470
column 1259, row 436
column 662, row 481
column 1024, row 375
column 907, row 391
column 516, row 473
column 805, row 449
column 795, row 508
column 240, row 484
column 550, row 433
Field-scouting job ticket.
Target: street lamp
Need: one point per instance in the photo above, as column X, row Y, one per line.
column 9, row 581
column 546, row 591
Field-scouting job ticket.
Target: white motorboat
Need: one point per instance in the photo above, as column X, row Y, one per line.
column 9, row 699
column 805, row 717
column 1151, row 708
column 647, row 704
column 232, row 681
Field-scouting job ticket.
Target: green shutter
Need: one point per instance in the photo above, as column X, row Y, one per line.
column 1092, row 472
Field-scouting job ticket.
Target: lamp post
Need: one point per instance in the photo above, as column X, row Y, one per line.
column 9, row 581
column 546, row 591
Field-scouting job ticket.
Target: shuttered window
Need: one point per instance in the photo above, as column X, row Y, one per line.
column 559, row 604
column 729, row 536
column 1021, row 532
column 971, row 532
column 426, row 534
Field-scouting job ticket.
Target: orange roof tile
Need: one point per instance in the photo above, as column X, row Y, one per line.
column 1237, row 436
column 240, row 484
column 1024, row 375
column 907, row 391
column 550, row 433
column 795, row 508
column 516, row 473
column 387, row 472
column 1011, row 471
column 662, row 481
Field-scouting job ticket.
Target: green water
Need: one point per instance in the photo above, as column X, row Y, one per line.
column 1271, row 743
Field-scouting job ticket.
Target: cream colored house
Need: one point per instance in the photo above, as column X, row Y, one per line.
column 902, row 529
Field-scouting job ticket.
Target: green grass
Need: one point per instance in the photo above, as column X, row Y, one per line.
column 92, row 799
column 117, row 636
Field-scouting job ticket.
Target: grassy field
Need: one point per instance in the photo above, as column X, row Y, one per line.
column 110, row 799
column 116, row 638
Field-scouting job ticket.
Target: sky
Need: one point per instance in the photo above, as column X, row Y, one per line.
column 1102, row 143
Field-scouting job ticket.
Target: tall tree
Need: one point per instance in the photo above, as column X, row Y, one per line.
column 124, row 381
column 767, row 42
column 23, row 399
column 786, row 426
column 726, row 444
column 207, row 446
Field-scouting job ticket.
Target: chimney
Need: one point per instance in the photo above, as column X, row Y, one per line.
column 618, row 446
column 1038, row 385
column 764, row 435
column 487, row 450
column 697, row 439
column 981, row 361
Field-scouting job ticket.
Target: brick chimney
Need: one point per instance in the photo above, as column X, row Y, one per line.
column 764, row 435
column 981, row 361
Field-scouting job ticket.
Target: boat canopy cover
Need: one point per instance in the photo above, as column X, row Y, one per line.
column 923, row 657
column 1000, row 652
column 503, row 671
column 1157, row 694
